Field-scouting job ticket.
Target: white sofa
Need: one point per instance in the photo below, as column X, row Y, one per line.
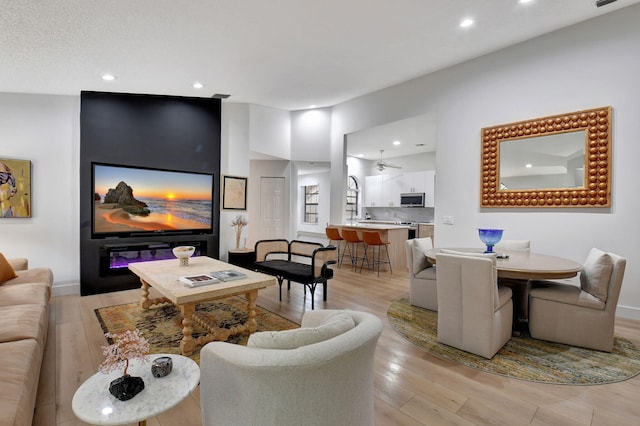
column 325, row 383
column 423, row 291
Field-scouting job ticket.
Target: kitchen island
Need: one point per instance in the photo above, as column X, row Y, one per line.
column 395, row 234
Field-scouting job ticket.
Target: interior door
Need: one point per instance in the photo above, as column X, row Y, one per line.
column 272, row 204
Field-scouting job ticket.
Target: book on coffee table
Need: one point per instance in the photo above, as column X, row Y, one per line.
column 198, row 280
column 228, row 275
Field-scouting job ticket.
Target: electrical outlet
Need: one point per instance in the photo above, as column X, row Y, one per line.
column 448, row 220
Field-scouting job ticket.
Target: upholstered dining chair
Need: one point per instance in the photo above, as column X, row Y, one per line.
column 318, row 374
column 513, row 245
column 422, row 274
column 474, row 313
column 579, row 312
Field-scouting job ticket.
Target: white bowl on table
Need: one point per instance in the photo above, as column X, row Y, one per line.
column 183, row 253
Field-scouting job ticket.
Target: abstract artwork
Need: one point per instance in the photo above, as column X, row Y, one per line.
column 15, row 188
column 234, row 193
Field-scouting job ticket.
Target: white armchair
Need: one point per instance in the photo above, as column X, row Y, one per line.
column 324, row 383
column 474, row 313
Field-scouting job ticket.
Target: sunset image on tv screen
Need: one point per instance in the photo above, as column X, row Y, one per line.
column 136, row 200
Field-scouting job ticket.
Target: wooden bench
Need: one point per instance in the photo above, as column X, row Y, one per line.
column 303, row 262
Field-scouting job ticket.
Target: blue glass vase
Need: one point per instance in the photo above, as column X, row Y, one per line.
column 490, row 237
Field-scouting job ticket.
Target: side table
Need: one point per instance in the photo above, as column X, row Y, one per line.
column 94, row 404
column 244, row 258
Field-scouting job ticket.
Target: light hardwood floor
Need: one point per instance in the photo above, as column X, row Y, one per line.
column 411, row 386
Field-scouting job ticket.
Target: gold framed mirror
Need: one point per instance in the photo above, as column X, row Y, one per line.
column 561, row 160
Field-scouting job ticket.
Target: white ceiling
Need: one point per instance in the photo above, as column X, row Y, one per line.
column 286, row 54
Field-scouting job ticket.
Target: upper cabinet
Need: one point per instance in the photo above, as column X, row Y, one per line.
column 385, row 190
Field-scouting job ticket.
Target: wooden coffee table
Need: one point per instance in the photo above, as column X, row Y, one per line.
column 163, row 276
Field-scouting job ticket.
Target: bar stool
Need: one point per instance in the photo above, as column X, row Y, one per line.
column 374, row 240
column 334, row 235
column 352, row 242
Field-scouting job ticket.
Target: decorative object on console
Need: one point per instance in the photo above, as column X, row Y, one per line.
column 183, row 253
column 161, row 366
column 490, row 237
column 126, row 346
column 234, row 193
column 239, row 222
column 587, row 172
column 15, row 188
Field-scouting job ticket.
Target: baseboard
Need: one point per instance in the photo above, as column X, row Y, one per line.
column 65, row 289
column 628, row 312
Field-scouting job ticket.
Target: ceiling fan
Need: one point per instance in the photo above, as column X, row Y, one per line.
column 383, row 164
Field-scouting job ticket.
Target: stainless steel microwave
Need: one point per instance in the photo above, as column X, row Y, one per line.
column 413, row 199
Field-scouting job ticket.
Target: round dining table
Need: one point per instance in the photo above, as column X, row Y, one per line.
column 516, row 269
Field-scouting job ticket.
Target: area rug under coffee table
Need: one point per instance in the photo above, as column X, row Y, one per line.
column 522, row 357
column 162, row 325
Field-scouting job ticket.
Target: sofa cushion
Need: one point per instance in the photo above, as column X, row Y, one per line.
column 23, row 322
column 42, row 276
column 333, row 326
column 596, row 274
column 20, row 372
column 6, row 270
column 420, row 246
column 24, row 294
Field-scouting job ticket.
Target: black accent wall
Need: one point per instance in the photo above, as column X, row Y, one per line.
column 166, row 132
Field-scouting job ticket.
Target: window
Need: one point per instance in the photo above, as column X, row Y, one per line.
column 311, row 196
column 352, row 197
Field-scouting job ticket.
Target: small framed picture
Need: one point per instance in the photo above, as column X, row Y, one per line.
column 15, row 188
column 234, row 193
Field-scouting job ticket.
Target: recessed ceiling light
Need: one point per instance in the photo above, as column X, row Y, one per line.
column 466, row 22
column 360, row 155
column 312, row 106
column 528, row 166
column 108, row 77
column 198, row 85
column 525, row 1
column 396, row 142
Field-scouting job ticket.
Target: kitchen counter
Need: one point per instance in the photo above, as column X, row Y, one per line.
column 395, row 234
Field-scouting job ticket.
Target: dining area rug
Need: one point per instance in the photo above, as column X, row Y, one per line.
column 162, row 325
column 522, row 358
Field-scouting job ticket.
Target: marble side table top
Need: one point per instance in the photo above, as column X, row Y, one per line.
column 92, row 402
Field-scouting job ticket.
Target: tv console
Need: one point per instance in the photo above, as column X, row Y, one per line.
column 116, row 257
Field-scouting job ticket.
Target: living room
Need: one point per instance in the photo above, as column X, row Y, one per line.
column 582, row 66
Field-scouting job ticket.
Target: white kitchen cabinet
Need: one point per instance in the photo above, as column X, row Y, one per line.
column 382, row 190
column 373, row 191
column 423, row 181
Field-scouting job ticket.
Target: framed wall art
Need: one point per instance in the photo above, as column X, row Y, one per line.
column 234, row 193
column 15, row 188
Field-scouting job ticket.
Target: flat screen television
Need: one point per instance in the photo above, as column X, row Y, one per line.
column 134, row 201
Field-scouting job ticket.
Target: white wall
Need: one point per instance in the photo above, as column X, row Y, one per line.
column 234, row 160
column 585, row 66
column 45, row 130
column 270, row 131
column 311, row 135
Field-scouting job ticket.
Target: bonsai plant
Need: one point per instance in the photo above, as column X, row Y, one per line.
column 126, row 346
